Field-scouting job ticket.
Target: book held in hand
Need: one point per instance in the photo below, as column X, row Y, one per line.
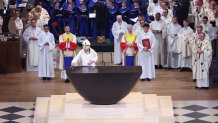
column 146, row 43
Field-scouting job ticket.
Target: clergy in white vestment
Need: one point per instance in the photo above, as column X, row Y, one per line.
column 137, row 26
column 153, row 7
column 146, row 44
column 86, row 57
column 118, row 29
column 207, row 27
column 203, row 57
column 15, row 26
column 167, row 19
column 158, row 27
column 67, row 45
column 172, row 49
column 46, row 45
column 184, row 47
column 31, row 36
column 42, row 16
column 211, row 10
column 199, row 13
column 1, row 23
column 194, row 41
column 165, row 7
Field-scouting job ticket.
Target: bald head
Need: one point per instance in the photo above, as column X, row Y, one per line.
column 129, row 27
column 119, row 18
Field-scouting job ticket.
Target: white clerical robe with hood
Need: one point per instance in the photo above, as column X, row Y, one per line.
column 83, row 58
column 147, row 58
column 184, row 47
column 46, row 68
column 1, row 23
column 32, row 47
column 207, row 28
column 117, row 28
column 172, row 49
column 159, row 50
column 202, row 63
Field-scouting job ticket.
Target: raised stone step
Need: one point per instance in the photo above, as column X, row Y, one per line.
column 131, row 105
column 135, row 108
column 41, row 110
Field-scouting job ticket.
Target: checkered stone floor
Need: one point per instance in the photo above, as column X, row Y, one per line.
column 185, row 112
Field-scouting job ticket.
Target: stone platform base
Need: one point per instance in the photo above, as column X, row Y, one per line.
column 134, row 108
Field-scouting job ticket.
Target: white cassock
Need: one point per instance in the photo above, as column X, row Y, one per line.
column 202, row 63
column 184, row 47
column 198, row 15
column 172, row 50
column 153, row 8
column 159, row 50
column 147, row 58
column 167, row 20
column 116, row 29
column 33, row 49
column 83, row 58
column 208, row 29
column 46, row 68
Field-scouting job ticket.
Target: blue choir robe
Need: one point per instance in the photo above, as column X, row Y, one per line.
column 118, row 2
column 92, row 24
column 69, row 19
column 83, row 17
column 112, row 13
column 125, row 14
column 134, row 12
column 57, row 16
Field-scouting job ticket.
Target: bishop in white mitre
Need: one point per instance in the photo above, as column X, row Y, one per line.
column 86, row 57
column 118, row 29
column 202, row 61
column 158, row 27
column 184, row 47
column 172, row 50
column 46, row 45
column 31, row 36
column 146, row 45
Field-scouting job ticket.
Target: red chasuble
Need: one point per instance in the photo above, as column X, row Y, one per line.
column 63, row 47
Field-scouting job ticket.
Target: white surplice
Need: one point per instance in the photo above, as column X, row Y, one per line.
column 153, row 8
column 159, row 50
column 117, row 28
column 202, row 63
column 46, row 68
column 84, row 58
column 184, row 47
column 147, row 58
column 208, row 29
column 33, row 49
column 172, row 50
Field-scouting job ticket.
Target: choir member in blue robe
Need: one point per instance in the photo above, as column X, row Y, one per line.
column 118, row 2
column 124, row 11
column 92, row 20
column 83, row 16
column 57, row 16
column 112, row 13
column 69, row 17
column 66, row 3
column 135, row 10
